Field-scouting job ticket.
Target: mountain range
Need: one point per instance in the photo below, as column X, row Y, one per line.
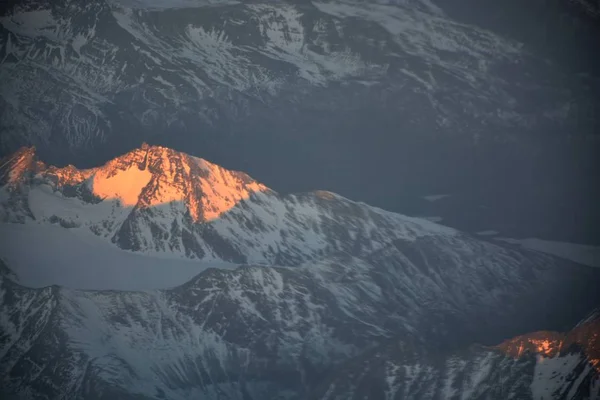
column 161, row 275
column 321, row 287
column 345, row 95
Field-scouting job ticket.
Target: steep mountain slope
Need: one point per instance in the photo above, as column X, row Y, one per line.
column 156, row 200
column 540, row 365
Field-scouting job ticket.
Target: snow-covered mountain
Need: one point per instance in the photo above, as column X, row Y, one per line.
column 540, row 365
column 258, row 332
column 336, row 278
column 159, row 201
column 82, row 73
column 429, row 99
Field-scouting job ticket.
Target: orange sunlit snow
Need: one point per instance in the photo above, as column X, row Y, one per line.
column 124, row 185
column 205, row 189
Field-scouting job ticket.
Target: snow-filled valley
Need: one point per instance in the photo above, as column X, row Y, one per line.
column 44, row 255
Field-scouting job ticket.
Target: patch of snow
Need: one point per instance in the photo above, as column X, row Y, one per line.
column 43, row 255
column 579, row 253
column 286, row 34
column 421, row 30
column 482, row 371
column 45, row 203
column 436, row 197
column 78, row 42
column 449, row 390
column 160, row 79
column 30, row 23
column 550, row 374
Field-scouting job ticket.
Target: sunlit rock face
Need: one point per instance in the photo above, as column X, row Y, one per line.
column 154, row 176
column 540, row 365
column 584, row 338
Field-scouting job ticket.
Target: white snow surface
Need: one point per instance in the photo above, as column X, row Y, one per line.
column 579, row 253
column 44, row 255
column 550, row 375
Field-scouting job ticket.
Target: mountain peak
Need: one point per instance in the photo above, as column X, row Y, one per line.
column 583, row 337
column 143, row 178
column 152, row 176
column 15, row 166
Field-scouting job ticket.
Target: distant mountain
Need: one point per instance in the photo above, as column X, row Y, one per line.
column 79, row 72
column 323, row 280
column 540, row 365
column 83, row 73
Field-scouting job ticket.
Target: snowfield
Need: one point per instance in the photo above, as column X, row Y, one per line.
column 44, row 255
